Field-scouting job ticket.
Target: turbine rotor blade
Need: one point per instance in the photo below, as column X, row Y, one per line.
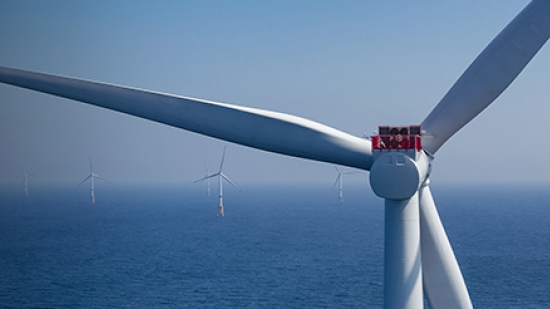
column 266, row 130
column 489, row 75
column 101, row 178
column 444, row 285
column 206, row 177
column 223, row 157
column 336, row 182
column 230, row 182
column 83, row 181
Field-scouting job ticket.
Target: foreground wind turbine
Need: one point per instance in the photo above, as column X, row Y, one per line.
column 25, row 180
column 92, row 176
column 419, row 261
column 221, row 176
column 340, row 181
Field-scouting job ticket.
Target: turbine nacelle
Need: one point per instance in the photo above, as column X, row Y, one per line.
column 400, row 166
column 397, row 176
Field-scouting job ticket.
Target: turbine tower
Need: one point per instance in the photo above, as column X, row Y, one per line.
column 221, row 176
column 207, row 179
column 25, row 180
column 92, row 176
column 419, row 260
column 340, row 182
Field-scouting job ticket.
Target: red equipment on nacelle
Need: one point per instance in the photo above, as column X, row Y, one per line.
column 397, row 138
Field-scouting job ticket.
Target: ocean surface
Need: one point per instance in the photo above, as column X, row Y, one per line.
column 277, row 247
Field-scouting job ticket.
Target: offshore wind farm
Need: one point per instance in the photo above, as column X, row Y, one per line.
column 419, row 261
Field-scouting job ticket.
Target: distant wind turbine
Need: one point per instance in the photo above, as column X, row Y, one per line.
column 221, row 177
column 25, row 180
column 340, row 180
column 91, row 177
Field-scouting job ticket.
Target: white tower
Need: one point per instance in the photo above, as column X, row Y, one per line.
column 25, row 181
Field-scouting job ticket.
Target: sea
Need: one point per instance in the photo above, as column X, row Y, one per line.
column 278, row 246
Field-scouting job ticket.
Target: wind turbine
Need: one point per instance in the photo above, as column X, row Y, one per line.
column 340, row 182
column 419, row 260
column 25, row 180
column 221, row 176
column 92, row 176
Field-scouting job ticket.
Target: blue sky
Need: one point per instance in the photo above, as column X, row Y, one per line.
column 352, row 65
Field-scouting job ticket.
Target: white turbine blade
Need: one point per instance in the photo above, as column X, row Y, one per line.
column 101, row 178
column 266, row 130
column 230, row 182
column 336, row 182
column 345, row 173
column 206, row 177
column 91, row 166
column 223, row 157
column 444, row 285
column 83, row 181
column 489, row 75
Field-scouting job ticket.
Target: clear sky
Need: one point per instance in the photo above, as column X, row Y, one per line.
column 352, row 65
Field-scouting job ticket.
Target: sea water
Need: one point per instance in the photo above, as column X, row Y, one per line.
column 276, row 247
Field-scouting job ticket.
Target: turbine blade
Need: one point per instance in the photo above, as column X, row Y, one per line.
column 489, row 75
column 91, row 166
column 266, row 130
column 101, row 178
column 83, row 181
column 443, row 282
column 206, row 177
column 230, row 182
column 336, row 182
column 223, row 157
